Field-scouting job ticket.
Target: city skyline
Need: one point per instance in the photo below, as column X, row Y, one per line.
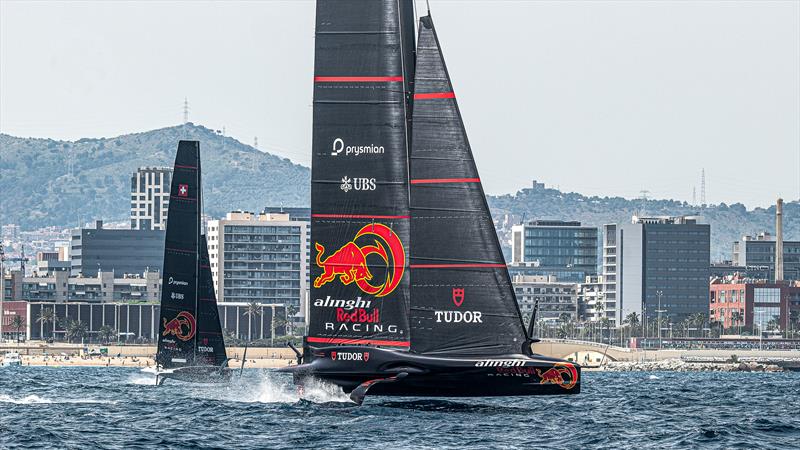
column 660, row 90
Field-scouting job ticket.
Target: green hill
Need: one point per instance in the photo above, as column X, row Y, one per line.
column 46, row 182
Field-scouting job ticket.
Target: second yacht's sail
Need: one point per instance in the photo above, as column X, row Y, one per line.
column 462, row 299
column 178, row 320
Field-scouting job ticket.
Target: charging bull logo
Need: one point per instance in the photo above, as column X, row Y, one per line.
column 349, row 263
column 182, row 326
column 562, row 374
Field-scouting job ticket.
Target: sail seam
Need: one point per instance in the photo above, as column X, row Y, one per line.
column 350, row 79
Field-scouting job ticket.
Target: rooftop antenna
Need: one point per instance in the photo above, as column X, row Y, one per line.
column 703, row 188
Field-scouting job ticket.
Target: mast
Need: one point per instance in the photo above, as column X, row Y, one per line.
column 359, row 174
column 462, row 299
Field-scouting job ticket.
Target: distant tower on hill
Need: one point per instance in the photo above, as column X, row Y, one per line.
column 703, row 187
column 185, row 110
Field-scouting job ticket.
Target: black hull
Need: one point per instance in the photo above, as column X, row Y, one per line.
column 397, row 373
column 197, row 374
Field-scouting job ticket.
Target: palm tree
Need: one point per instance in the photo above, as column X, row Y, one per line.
column 18, row 324
column 45, row 316
column 291, row 310
column 698, row 320
column 76, row 330
column 253, row 309
column 106, row 334
column 632, row 321
column 737, row 318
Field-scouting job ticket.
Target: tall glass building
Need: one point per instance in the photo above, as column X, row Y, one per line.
column 565, row 250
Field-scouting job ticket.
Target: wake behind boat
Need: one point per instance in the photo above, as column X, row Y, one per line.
column 190, row 342
column 410, row 295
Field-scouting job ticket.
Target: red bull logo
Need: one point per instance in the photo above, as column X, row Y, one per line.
column 349, row 263
column 183, row 326
column 562, row 374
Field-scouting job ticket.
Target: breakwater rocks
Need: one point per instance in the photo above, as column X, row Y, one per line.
column 679, row 365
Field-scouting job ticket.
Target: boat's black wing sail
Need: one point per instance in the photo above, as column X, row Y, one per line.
column 359, row 177
column 210, row 341
column 462, row 299
column 178, row 320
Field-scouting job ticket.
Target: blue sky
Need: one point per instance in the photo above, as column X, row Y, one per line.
column 605, row 98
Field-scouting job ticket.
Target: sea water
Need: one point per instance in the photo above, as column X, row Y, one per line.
column 122, row 408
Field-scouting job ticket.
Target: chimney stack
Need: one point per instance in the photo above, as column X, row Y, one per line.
column 779, row 241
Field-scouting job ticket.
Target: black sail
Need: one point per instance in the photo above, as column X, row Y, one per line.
column 178, row 323
column 462, row 299
column 210, row 341
column 359, row 177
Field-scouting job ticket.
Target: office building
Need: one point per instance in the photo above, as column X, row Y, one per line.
column 555, row 299
column 120, row 251
column 259, row 258
column 657, row 262
column 565, row 250
column 150, row 198
column 749, row 305
column 759, row 251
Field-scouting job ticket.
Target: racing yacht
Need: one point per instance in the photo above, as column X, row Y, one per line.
column 411, row 295
column 190, row 342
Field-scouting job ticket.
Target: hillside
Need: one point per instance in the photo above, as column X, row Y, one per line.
column 39, row 187
column 728, row 222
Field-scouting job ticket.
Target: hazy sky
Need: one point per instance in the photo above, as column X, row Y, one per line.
column 605, row 98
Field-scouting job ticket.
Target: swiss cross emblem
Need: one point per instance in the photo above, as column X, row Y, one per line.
column 183, row 190
column 458, row 296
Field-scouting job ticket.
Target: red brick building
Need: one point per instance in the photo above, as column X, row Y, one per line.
column 750, row 304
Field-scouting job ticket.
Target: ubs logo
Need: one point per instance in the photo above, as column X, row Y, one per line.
column 357, row 184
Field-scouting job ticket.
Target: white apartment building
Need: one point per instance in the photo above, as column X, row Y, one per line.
column 150, row 198
column 259, row 258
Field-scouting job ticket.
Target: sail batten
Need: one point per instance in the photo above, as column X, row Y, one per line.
column 462, row 301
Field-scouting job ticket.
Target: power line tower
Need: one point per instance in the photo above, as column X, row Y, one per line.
column 694, row 195
column 643, row 197
column 185, row 110
column 703, row 188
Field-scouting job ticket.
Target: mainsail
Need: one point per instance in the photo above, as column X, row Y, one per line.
column 462, row 299
column 359, row 177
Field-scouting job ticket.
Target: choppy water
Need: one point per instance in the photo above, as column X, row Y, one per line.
column 120, row 408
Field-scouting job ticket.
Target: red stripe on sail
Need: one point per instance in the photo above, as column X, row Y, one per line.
column 457, row 266
column 356, row 79
column 430, row 95
column 185, row 167
column 178, row 197
column 446, row 180
column 358, row 341
column 356, row 216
